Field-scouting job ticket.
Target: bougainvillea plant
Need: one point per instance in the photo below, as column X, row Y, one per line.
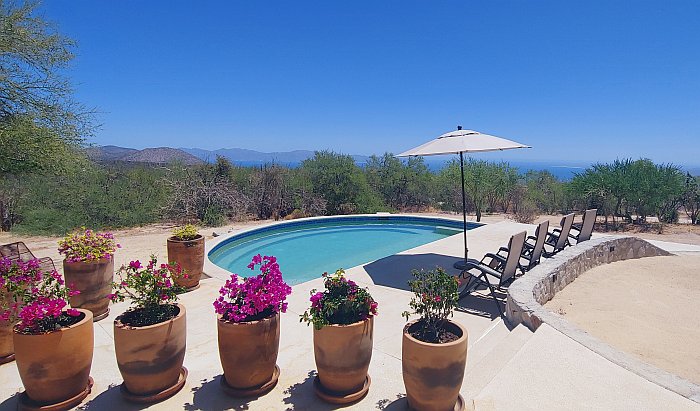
column 186, row 233
column 37, row 299
column 254, row 298
column 343, row 302
column 436, row 295
column 87, row 245
column 150, row 289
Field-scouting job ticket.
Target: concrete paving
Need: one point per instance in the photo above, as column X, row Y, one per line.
column 506, row 369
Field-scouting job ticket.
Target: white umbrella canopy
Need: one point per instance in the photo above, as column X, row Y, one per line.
column 460, row 142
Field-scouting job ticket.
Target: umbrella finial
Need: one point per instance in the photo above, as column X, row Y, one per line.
column 459, row 127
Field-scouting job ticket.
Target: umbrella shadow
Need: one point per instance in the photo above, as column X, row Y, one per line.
column 395, row 270
column 111, row 399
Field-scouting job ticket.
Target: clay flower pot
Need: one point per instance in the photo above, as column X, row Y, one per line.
column 7, row 348
column 190, row 255
column 150, row 357
column 55, row 366
column 343, row 354
column 433, row 373
column 248, row 352
column 94, row 281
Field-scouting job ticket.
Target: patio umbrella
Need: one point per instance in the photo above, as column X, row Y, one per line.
column 460, row 142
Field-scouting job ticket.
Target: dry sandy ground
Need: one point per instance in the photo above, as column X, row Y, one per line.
column 647, row 307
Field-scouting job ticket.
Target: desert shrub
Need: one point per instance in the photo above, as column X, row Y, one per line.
column 526, row 213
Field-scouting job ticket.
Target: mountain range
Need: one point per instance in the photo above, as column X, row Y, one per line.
column 191, row 156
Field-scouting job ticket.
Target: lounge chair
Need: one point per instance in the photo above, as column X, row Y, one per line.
column 585, row 227
column 19, row 252
column 500, row 267
column 559, row 237
column 532, row 252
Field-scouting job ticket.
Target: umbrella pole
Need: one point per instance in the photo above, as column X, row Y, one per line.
column 464, row 207
column 462, row 265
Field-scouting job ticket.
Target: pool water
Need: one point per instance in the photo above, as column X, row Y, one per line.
column 307, row 253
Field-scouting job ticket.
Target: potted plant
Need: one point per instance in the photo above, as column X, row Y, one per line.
column 434, row 349
column 149, row 338
column 89, row 266
column 248, row 328
column 186, row 247
column 343, row 318
column 47, row 336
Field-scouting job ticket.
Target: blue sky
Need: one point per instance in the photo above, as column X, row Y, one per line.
column 577, row 80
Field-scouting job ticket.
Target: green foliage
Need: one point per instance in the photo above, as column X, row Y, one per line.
column 400, row 185
column 188, row 232
column 150, row 290
column 86, row 246
column 41, row 125
column 691, row 198
column 436, row 295
column 96, row 197
column 336, row 178
column 342, row 303
column 484, row 182
column 544, row 190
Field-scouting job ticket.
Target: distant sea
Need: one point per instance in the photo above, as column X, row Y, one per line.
column 562, row 170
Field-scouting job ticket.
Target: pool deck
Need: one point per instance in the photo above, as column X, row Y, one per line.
column 506, row 369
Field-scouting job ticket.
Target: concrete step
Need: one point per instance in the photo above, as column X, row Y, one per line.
column 479, row 374
column 484, row 344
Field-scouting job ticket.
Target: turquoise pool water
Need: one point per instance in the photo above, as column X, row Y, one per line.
column 304, row 252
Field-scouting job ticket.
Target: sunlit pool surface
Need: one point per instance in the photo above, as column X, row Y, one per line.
column 306, row 249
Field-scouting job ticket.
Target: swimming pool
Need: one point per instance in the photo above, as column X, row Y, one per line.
column 307, row 248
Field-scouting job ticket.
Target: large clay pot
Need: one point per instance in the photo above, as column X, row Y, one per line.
column 343, row 354
column 150, row 357
column 433, row 373
column 248, row 351
column 94, row 281
column 7, row 348
column 190, row 255
column 55, row 366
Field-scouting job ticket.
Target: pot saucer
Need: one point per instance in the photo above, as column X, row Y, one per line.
column 194, row 287
column 96, row 318
column 27, row 404
column 254, row 391
column 159, row 396
column 327, row 396
column 7, row 358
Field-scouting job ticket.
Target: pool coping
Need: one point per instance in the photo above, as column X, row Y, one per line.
column 527, row 294
column 213, row 270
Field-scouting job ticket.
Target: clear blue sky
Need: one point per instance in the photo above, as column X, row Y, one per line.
column 577, row 80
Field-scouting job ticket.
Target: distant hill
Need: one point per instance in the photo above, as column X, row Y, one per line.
column 160, row 155
column 240, row 154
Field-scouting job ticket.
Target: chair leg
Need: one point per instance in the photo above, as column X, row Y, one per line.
column 493, row 294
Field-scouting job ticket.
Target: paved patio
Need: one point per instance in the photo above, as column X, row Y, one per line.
column 506, row 369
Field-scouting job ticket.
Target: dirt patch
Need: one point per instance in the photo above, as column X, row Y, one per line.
column 646, row 307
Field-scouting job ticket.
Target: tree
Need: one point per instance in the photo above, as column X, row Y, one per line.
column 41, row 125
column 691, row 198
column 402, row 185
column 336, row 178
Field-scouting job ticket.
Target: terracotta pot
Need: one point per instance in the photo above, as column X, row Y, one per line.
column 150, row 357
column 433, row 373
column 6, row 346
column 190, row 255
column 343, row 354
column 55, row 366
column 94, row 281
column 248, row 350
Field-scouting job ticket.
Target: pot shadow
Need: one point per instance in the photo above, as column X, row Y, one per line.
column 301, row 396
column 211, row 397
column 400, row 403
column 110, row 399
column 10, row 403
